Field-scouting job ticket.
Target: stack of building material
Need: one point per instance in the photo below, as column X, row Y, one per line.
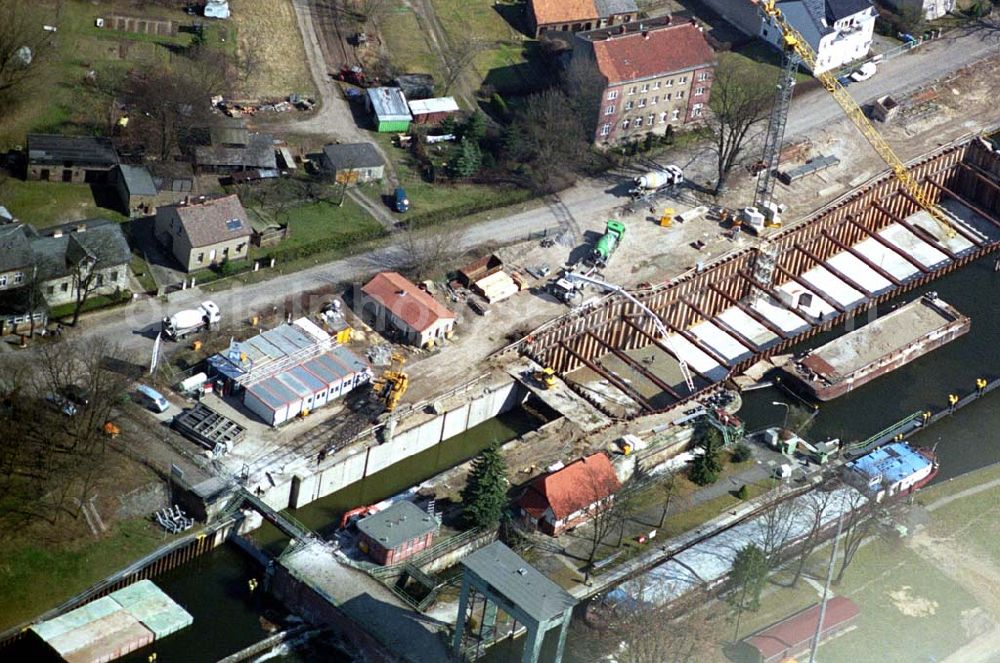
column 496, row 287
column 114, row 625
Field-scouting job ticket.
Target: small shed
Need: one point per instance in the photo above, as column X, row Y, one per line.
column 432, row 111
column 136, row 189
column 216, row 8
column 479, row 269
column 388, row 104
column 399, row 532
column 353, row 163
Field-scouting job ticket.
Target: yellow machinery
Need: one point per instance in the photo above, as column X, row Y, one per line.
column 392, row 384
column 546, row 377
column 667, row 218
column 795, row 44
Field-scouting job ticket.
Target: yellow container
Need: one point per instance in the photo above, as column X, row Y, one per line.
column 196, row 346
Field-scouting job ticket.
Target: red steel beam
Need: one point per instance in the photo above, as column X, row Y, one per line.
column 724, row 326
column 965, row 202
column 752, row 313
column 892, row 247
column 865, row 292
column 917, row 231
column 637, row 366
column 613, row 379
column 863, row 258
column 656, row 343
column 826, row 297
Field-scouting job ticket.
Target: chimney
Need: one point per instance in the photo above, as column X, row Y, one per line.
column 645, row 34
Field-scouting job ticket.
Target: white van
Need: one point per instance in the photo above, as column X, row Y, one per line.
column 151, row 399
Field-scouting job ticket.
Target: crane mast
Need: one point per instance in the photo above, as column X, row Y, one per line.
column 795, row 46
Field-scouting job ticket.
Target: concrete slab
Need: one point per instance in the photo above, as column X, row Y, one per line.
column 782, row 318
column 864, row 275
column 833, row 286
column 696, row 358
column 720, row 341
column 560, row 397
column 887, row 259
column 743, row 323
column 956, row 244
column 924, row 253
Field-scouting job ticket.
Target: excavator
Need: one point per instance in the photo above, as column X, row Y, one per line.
column 797, row 50
column 391, row 385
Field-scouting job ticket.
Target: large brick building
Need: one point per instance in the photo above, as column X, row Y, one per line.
column 656, row 74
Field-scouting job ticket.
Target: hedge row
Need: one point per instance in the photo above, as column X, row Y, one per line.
column 340, row 241
column 493, row 201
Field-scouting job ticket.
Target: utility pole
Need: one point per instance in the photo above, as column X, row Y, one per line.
column 826, row 590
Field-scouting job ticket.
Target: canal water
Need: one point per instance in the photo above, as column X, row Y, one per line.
column 967, row 440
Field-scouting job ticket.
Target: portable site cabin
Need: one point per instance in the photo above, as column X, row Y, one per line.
column 307, row 386
column 388, row 104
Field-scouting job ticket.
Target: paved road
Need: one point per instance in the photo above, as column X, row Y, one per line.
column 929, row 62
column 810, row 111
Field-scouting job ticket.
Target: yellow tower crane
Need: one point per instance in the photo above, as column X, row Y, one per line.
column 796, row 46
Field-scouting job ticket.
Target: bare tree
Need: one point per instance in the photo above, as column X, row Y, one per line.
column 250, row 55
column 24, row 47
column 549, row 141
column 607, row 512
column 666, row 489
column 742, row 95
column 774, row 527
column 584, row 86
column 427, row 252
column 170, row 100
column 87, row 278
column 655, row 635
column 858, row 523
column 457, row 59
column 813, row 509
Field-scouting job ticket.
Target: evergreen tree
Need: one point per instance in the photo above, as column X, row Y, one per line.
column 467, row 159
column 475, row 127
column 705, row 468
column 485, row 493
column 746, row 580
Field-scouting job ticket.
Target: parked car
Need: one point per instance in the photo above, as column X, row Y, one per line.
column 75, row 394
column 151, row 399
column 59, row 403
column 866, row 71
column 400, row 202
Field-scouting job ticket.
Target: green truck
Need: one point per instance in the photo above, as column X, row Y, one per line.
column 609, row 241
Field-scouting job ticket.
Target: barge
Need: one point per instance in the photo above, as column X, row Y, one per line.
column 878, row 348
column 893, row 470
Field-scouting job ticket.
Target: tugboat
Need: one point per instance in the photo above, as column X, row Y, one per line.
column 893, row 470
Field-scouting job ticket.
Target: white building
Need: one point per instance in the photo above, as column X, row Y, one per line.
column 840, row 31
column 929, row 9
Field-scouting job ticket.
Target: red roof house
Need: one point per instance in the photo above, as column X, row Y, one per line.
column 565, row 498
column 794, row 635
column 657, row 73
column 397, row 302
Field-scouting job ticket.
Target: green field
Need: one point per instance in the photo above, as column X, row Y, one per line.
column 318, row 221
column 910, row 610
column 49, row 203
column 408, row 46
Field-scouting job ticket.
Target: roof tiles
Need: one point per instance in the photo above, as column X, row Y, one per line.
column 653, row 52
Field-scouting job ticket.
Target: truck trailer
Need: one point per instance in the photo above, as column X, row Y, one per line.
column 190, row 321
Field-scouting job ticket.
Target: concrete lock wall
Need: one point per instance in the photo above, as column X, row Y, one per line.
column 305, row 488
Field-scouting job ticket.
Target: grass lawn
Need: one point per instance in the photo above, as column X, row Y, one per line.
column 318, row 221
column 36, row 577
column 757, row 51
column 505, row 62
column 270, row 30
column 49, row 203
column 142, row 274
column 407, row 44
column 910, row 611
